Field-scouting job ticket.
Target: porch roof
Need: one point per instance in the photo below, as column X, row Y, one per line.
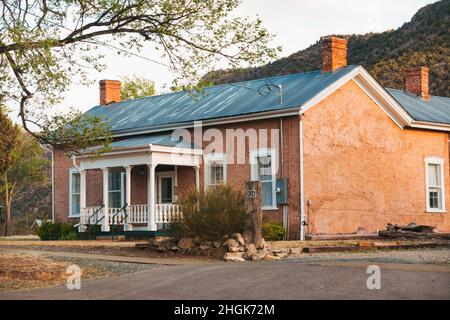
column 163, row 139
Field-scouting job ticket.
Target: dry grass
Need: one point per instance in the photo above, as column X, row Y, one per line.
column 28, row 271
column 74, row 243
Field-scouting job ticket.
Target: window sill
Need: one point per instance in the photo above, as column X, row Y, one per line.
column 436, row 211
column 73, row 216
column 269, row 208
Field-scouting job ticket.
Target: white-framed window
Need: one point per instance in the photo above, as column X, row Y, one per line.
column 434, row 175
column 263, row 168
column 215, row 170
column 74, row 193
column 116, row 188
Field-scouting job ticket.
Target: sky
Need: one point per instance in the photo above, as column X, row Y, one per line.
column 296, row 23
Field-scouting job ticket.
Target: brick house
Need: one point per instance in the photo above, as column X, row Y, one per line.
column 336, row 153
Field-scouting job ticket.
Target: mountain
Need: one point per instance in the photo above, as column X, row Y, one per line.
column 425, row 40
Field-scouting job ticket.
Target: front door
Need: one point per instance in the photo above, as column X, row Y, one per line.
column 165, row 187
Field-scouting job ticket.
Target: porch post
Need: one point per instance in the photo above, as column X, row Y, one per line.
column 105, row 224
column 197, row 177
column 82, row 189
column 128, row 227
column 151, row 197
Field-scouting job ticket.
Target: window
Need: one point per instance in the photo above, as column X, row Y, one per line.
column 74, row 193
column 116, row 189
column 435, row 184
column 263, row 169
column 215, row 170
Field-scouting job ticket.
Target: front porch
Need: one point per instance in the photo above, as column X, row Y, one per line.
column 139, row 187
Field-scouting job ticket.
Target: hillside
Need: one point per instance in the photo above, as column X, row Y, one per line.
column 425, row 40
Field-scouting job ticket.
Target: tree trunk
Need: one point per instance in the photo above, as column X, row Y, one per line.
column 254, row 209
column 7, row 206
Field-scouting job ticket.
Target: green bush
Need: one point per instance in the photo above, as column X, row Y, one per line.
column 273, row 231
column 56, row 231
column 212, row 214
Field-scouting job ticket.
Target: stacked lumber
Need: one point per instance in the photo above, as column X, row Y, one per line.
column 411, row 231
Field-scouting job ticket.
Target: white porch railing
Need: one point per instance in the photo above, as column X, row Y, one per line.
column 94, row 214
column 116, row 216
column 136, row 214
column 167, row 213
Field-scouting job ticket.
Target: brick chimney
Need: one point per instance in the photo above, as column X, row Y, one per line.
column 416, row 81
column 109, row 91
column 334, row 53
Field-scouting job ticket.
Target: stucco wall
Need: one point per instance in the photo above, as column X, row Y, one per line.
column 362, row 170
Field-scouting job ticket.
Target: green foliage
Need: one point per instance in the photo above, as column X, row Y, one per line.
column 136, row 87
column 46, row 45
column 212, row 214
column 56, row 231
column 273, row 231
column 8, row 139
column 423, row 41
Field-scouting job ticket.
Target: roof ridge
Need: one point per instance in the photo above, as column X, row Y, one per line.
column 225, row 84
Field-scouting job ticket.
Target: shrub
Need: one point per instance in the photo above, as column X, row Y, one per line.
column 273, row 231
column 56, row 231
column 212, row 214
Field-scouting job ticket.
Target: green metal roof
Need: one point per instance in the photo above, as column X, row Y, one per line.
column 436, row 109
column 163, row 139
column 220, row 101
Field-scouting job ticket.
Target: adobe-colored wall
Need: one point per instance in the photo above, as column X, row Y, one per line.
column 362, row 170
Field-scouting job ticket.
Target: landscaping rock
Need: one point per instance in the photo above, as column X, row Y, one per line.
column 231, row 243
column 250, row 248
column 234, row 256
column 186, row 243
column 248, row 237
column 141, row 245
column 217, row 244
column 257, row 256
column 238, row 237
column 204, row 247
column 269, row 257
column 281, row 254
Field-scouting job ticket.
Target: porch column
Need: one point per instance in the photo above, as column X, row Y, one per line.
column 82, row 189
column 105, row 224
column 151, row 197
column 197, row 177
column 128, row 227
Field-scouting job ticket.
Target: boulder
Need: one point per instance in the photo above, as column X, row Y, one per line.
column 281, row 254
column 186, row 243
column 230, row 243
column 248, row 237
column 236, row 249
column 250, row 248
column 257, row 256
column 269, row 257
column 234, row 256
column 238, row 237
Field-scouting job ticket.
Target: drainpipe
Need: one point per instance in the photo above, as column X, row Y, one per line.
column 302, row 196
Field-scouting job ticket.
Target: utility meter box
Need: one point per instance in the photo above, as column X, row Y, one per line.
column 282, row 191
